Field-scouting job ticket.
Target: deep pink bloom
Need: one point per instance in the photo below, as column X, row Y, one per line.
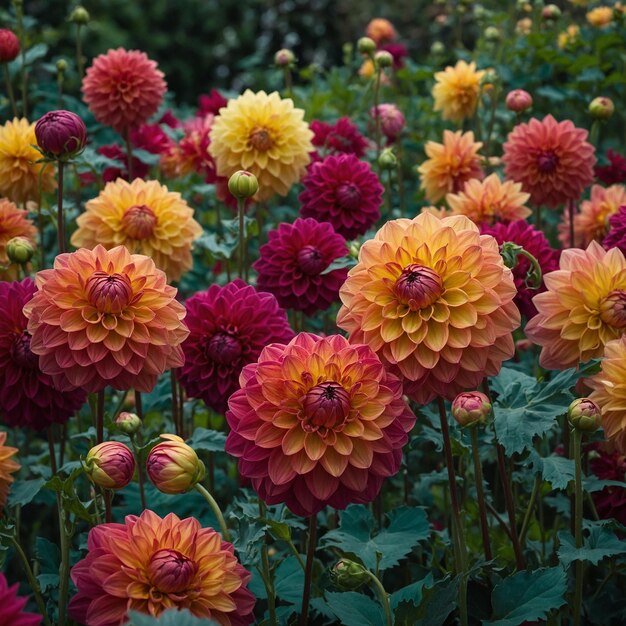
column 117, row 153
column 169, row 119
column 398, row 51
column 318, row 422
column 614, row 172
column 9, row 45
column 211, row 103
column 616, row 237
column 60, row 134
column 27, row 396
column 12, row 605
column 391, row 120
column 152, row 138
column 609, row 465
column 533, row 241
column 343, row 191
column 341, row 137
column 292, row 263
column 229, row 326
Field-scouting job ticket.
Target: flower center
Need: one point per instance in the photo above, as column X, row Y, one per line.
column 260, row 139
column 613, row 309
column 547, row 162
column 21, row 353
column 418, row 286
column 311, row 261
column 326, row 406
column 223, row 348
column 139, row 222
column 109, row 293
column 349, row 196
column 171, row 572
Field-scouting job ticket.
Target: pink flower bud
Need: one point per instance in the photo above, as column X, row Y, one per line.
column 470, row 408
column 173, row 466
column 128, row 423
column 518, row 100
column 9, row 45
column 584, row 415
column 391, row 120
column 110, row 465
column 60, row 134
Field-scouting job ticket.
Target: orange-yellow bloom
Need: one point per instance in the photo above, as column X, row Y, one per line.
column 13, row 223
column 380, row 30
column 432, row 298
column 490, row 200
column 265, row 135
column 146, row 218
column 600, row 16
column 583, row 309
column 7, row 467
column 457, row 91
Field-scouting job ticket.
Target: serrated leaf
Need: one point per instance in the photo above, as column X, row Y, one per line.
column 172, row 617
column 438, row 602
column 557, row 470
column 289, row 581
column 49, row 557
column 23, row 491
column 207, row 440
column 355, row 609
column 601, row 543
column 528, row 596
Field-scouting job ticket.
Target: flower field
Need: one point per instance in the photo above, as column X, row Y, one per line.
column 336, row 342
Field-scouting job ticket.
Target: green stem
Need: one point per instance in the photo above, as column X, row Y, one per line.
column 216, row 510
column 379, row 72
column 384, row 596
column 480, row 492
column 100, row 417
column 140, row 476
column 7, row 80
column 308, row 572
column 578, row 525
column 571, row 210
column 60, row 221
column 241, row 209
column 79, row 53
column 288, row 83
column 529, row 510
column 267, row 572
column 21, row 36
column 64, row 568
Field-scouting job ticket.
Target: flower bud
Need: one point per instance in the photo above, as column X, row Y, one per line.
column 284, row 58
column 80, row 15
column 492, row 34
column 61, row 134
column 365, row 45
column 471, row 408
column 584, row 414
column 349, row 575
column 128, row 423
column 550, row 12
column 9, row 45
column 601, row 108
column 110, row 465
column 243, row 184
column 353, row 249
column 173, row 466
column 518, row 100
column 387, row 160
column 20, row 250
column 61, row 66
column 391, row 120
column 383, row 59
column 437, row 48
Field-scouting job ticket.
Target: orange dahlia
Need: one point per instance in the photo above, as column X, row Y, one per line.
column 450, row 164
column 490, row 200
column 20, row 175
column 7, row 467
column 600, row 16
column 150, row 564
column 105, row 317
column 583, row 309
column 457, row 91
column 146, row 218
column 592, row 223
column 433, row 298
column 13, row 223
column 380, row 30
column 266, row 135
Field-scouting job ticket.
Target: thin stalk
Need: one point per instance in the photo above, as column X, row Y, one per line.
column 308, row 571
column 60, row 221
column 140, row 477
column 571, row 209
column 106, row 496
column 79, row 53
column 267, row 572
column 22, row 37
column 138, row 405
column 7, row 80
column 53, row 459
column 529, row 510
column 175, row 416
column 379, row 72
column 216, row 510
column 288, row 82
column 241, row 209
column 64, row 568
column 100, row 417
column 480, row 492
column 578, row 525
column 384, row 596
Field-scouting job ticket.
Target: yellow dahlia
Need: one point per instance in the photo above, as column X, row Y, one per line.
column 457, row 91
column 569, row 36
column 263, row 134
column 583, row 309
column 19, row 174
column 450, row 164
column 600, row 16
column 7, row 467
column 13, row 223
column 146, row 218
column 433, row 298
column 592, row 223
column 490, row 200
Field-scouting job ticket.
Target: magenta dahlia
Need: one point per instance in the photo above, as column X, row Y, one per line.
column 343, row 191
column 229, row 327
column 12, row 605
column 341, row 137
column 616, row 237
column 27, row 396
column 211, row 103
column 614, row 172
column 609, row 464
column 292, row 264
column 534, row 242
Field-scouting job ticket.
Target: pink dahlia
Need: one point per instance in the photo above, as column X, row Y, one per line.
column 551, row 159
column 318, row 422
column 392, row 120
column 343, row 191
column 152, row 138
column 27, row 396
column 341, row 137
column 229, row 327
column 293, row 261
column 534, row 242
column 609, row 464
column 12, row 605
column 211, row 103
column 614, row 172
column 117, row 153
column 123, row 88
column 616, row 235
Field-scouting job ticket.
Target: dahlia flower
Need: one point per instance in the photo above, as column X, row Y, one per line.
column 110, row 465
column 342, row 137
column 592, row 222
column 614, row 172
column 7, row 467
column 380, row 30
column 292, row 262
column 398, row 53
column 318, row 422
column 152, row 138
column 27, row 395
column 123, row 88
column 583, row 309
column 173, row 466
column 610, row 502
column 433, row 298
column 105, row 317
column 616, row 236
column 117, row 153
column 9, row 45
column 600, row 16
column 343, row 191
column 551, row 159
column 149, row 564
column 12, row 606
column 450, row 164
column 13, row 223
column 211, row 103
column 60, row 134
column 534, row 242
column 457, row 91
column 229, row 326
column 146, row 218
column 265, row 135
column 518, row 100
column 20, row 175
column 490, row 200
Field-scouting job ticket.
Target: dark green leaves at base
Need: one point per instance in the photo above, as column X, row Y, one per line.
column 601, row 543
column 169, row 618
column 355, row 609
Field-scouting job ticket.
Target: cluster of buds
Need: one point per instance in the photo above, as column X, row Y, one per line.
column 173, row 466
column 61, row 135
column 471, row 408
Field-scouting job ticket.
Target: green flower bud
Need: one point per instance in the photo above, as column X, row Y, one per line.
column 61, row 66
column 471, row 408
column 584, row 414
column 492, row 34
column 79, row 15
column 383, row 59
column 551, row 12
column 128, row 423
column 601, row 108
column 284, row 58
column 365, row 45
column 20, row 250
column 349, row 575
column 437, row 48
column 243, row 184
column 387, row 159
column 353, row 249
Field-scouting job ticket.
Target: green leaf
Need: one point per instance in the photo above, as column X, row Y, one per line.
column 600, row 543
column 405, row 602
column 49, row 557
column 355, row 609
column 407, row 526
column 23, row 491
column 207, row 440
column 339, row 264
column 172, row 617
column 289, row 580
column 438, row 602
column 557, row 470
column 528, row 596
column 146, row 157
